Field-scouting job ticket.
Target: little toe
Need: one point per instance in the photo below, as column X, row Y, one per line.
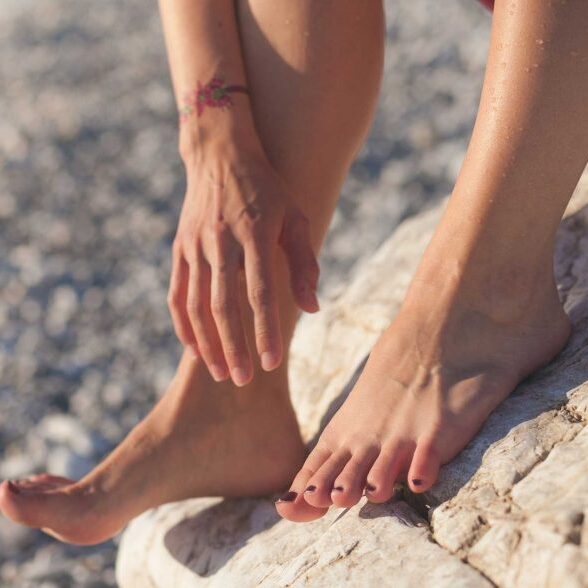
column 385, row 471
column 292, row 505
column 320, row 485
column 424, row 468
column 349, row 486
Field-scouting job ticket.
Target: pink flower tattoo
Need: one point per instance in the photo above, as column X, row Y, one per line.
column 215, row 94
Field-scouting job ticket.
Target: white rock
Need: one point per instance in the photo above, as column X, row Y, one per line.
column 63, row 429
column 16, row 466
column 512, row 504
column 61, row 461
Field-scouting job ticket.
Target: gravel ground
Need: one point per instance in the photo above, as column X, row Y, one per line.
column 90, row 190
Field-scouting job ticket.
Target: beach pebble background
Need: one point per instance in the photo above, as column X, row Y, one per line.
column 90, row 190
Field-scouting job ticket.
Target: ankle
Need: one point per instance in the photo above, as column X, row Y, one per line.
column 507, row 291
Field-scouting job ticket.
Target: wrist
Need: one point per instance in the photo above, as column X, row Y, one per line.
column 216, row 134
column 216, row 114
column 226, row 141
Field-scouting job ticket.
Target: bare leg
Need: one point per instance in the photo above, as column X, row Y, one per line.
column 482, row 312
column 313, row 110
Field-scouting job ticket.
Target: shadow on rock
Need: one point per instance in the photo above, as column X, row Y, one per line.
column 205, row 542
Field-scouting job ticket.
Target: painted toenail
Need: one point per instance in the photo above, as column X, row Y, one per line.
column 338, row 489
column 370, row 487
column 288, row 497
column 311, row 488
column 417, row 482
column 13, row 487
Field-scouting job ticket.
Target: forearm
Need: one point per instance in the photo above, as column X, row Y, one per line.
column 203, row 43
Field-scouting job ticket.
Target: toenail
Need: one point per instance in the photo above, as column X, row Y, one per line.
column 288, row 497
column 370, row 487
column 338, row 489
column 13, row 487
column 311, row 488
column 417, row 482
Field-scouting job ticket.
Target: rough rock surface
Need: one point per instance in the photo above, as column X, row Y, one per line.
column 508, row 511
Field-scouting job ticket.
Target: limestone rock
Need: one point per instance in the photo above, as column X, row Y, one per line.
column 220, row 543
column 509, row 510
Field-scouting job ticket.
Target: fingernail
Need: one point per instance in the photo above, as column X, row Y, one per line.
column 311, row 488
column 338, row 489
column 193, row 352
column 218, row 372
column 417, row 482
column 269, row 360
column 370, row 487
column 13, row 488
column 288, row 497
column 240, row 376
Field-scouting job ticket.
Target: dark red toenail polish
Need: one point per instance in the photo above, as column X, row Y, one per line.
column 288, row 497
column 417, row 482
column 338, row 488
column 13, row 487
column 311, row 488
column 370, row 487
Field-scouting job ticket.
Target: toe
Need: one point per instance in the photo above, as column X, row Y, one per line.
column 386, row 470
column 320, row 485
column 291, row 505
column 349, row 485
column 23, row 506
column 424, row 468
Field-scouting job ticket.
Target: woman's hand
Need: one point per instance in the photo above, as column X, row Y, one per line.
column 237, row 212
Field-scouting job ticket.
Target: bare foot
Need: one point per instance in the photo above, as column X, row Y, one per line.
column 458, row 347
column 202, row 439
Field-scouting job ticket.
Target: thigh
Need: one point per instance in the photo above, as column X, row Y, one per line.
column 314, row 69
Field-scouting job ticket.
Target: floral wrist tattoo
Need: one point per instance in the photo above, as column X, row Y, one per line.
column 215, row 94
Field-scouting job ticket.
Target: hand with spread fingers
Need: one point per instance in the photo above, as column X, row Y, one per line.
column 236, row 216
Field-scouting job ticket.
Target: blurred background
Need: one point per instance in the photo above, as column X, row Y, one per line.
column 90, row 190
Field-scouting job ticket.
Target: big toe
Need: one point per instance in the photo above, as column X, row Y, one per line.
column 292, row 505
column 424, row 468
column 26, row 502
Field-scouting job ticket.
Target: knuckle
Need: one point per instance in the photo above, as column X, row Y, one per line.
column 173, row 300
column 222, row 266
column 188, row 236
column 234, row 353
column 221, row 306
column 177, row 246
column 220, row 231
column 261, row 296
column 195, row 308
